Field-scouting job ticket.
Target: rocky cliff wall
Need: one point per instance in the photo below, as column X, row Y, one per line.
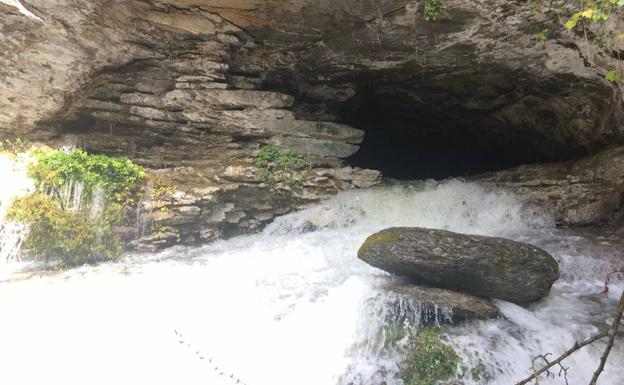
column 192, row 89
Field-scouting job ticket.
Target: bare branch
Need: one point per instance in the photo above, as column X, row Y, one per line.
column 577, row 346
column 612, row 332
column 563, row 371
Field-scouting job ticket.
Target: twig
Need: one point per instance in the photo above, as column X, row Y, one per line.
column 577, row 346
column 612, row 332
column 562, row 369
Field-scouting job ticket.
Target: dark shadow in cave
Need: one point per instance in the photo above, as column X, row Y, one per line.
column 408, row 140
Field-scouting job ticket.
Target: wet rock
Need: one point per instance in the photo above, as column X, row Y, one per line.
column 484, row 266
column 462, row 306
column 581, row 192
column 156, row 241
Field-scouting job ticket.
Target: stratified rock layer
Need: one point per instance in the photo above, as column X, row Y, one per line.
column 483, row 266
column 583, row 192
column 192, row 89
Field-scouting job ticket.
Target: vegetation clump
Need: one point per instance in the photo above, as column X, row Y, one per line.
column 432, row 10
column 78, row 199
column 589, row 18
column 429, row 361
column 281, row 166
column 543, row 35
column 14, row 147
column 376, row 239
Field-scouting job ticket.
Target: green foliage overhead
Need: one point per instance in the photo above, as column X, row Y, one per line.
column 579, row 14
column 75, row 226
column 432, row 9
column 119, row 177
column 589, row 18
column 280, row 166
column 429, row 361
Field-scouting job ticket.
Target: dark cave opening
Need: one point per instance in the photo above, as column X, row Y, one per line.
column 406, row 139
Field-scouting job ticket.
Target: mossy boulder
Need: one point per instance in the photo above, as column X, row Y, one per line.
column 484, row 266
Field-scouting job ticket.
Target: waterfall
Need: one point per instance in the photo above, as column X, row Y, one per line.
column 144, row 212
column 13, row 173
column 14, row 170
column 293, row 304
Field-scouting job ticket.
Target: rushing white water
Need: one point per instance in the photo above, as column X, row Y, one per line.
column 15, row 182
column 293, row 305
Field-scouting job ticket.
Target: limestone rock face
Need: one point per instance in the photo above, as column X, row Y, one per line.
column 192, row 89
column 590, row 190
column 483, row 266
column 154, row 81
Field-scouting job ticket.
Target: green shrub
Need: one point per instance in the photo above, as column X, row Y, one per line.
column 280, row 166
column 57, row 233
column 432, row 9
column 13, row 147
column 120, row 178
column 74, row 234
column 543, row 35
column 429, row 361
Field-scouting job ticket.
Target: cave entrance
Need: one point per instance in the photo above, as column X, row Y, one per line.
column 407, row 139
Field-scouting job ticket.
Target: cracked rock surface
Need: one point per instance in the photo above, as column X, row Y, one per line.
column 192, row 89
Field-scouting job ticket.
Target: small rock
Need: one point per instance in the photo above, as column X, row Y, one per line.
column 463, row 306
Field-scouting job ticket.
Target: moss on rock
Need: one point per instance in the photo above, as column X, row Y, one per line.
column 381, row 237
column 429, row 360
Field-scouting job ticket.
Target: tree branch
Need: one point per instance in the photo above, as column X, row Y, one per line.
column 612, row 332
column 577, row 346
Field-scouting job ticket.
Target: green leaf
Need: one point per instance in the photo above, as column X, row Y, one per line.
column 613, row 76
column 573, row 21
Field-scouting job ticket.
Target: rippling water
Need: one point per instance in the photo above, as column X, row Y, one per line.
column 293, row 305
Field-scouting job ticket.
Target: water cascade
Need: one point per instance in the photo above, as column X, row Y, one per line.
column 16, row 183
column 293, row 304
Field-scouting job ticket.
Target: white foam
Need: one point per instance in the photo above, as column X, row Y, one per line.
column 290, row 305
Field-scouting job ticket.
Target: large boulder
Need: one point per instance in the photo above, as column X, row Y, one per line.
column 484, row 266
